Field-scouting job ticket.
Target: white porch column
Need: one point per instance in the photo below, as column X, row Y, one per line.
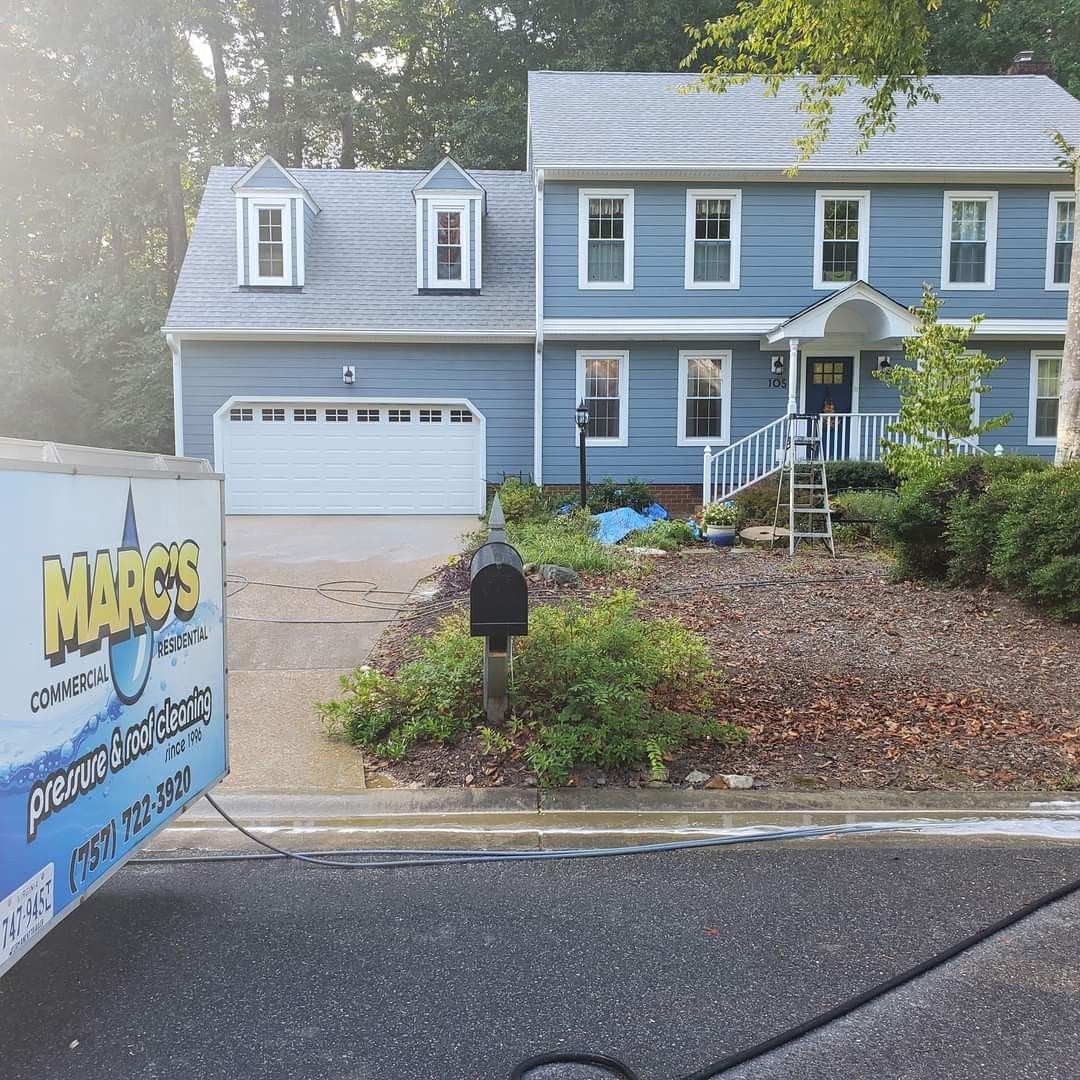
column 793, row 376
column 706, row 478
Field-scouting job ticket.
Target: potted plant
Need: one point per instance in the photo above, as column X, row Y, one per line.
column 719, row 520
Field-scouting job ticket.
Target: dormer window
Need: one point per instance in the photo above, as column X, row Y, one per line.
column 274, row 219
column 272, row 255
column 449, row 229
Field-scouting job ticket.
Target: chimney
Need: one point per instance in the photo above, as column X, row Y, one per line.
column 1024, row 63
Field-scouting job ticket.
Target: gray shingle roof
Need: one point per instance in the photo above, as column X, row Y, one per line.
column 360, row 271
column 604, row 118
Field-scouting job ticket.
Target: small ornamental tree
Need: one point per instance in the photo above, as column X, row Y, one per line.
column 937, row 390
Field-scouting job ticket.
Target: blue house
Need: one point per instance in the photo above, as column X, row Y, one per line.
column 360, row 341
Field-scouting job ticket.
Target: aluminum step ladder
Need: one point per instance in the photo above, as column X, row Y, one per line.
column 809, row 509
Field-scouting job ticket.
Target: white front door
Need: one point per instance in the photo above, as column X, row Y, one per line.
column 351, row 457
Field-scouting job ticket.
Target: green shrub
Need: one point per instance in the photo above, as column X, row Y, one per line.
column 436, row 695
column 859, row 476
column 596, row 685
column 1038, row 554
column 667, row 535
column 611, row 495
column 521, row 499
column 563, row 539
column 972, row 528
column 866, row 515
column 757, row 504
column 922, row 513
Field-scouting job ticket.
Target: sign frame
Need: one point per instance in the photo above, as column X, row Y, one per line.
column 18, row 455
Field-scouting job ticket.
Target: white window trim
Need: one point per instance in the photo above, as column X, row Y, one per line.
column 285, row 206
column 623, row 356
column 734, row 196
column 988, row 282
column 1033, row 393
column 863, row 272
column 724, row 356
column 1056, row 198
column 457, row 206
column 584, row 195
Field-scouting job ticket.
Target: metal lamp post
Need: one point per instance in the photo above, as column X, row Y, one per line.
column 581, row 418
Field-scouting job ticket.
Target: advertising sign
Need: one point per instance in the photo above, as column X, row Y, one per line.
column 112, row 675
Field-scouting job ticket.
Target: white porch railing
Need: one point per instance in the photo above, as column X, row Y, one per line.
column 844, row 436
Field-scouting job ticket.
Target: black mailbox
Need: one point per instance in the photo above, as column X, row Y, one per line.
column 498, row 594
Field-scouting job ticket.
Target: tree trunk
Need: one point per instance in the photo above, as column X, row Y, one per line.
column 1068, row 429
column 348, row 133
column 223, row 103
column 276, row 130
column 175, row 218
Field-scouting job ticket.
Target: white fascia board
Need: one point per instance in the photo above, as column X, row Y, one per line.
column 686, row 329
column 512, row 336
column 1014, row 328
column 897, row 174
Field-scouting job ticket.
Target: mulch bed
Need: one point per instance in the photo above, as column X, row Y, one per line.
column 843, row 678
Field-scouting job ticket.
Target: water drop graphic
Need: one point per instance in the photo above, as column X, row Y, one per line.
column 129, row 660
column 67, row 751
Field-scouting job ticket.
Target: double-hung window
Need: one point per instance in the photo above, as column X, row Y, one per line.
column 605, row 239
column 841, row 238
column 1060, row 241
column 448, row 246
column 704, row 398
column 270, row 243
column 1045, row 396
column 969, row 240
column 603, row 384
column 712, row 239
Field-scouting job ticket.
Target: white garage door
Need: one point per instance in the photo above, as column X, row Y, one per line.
column 352, row 457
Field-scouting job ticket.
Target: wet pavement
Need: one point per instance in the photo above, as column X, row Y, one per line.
column 456, row 973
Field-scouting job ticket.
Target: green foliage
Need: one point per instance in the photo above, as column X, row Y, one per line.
column 521, row 499
column 720, row 514
column 757, row 503
column 866, row 515
column 609, row 494
column 435, row 696
column 921, row 527
column 935, row 391
column 667, row 535
column 859, row 476
column 563, row 539
column 1038, row 554
column 596, row 685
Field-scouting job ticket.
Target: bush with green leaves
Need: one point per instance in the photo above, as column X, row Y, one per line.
column 757, row 503
column 944, row 489
column 848, row 475
column 865, row 515
column 669, row 535
column 562, row 539
column 594, row 684
column 1038, row 551
column 521, row 499
column 610, row 494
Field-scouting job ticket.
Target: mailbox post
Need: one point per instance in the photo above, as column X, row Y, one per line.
column 498, row 610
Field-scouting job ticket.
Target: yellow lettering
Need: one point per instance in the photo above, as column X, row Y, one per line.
column 129, row 588
column 156, row 600
column 104, row 613
column 67, row 599
column 187, row 595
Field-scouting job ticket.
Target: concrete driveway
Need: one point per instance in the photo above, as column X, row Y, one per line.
column 288, row 642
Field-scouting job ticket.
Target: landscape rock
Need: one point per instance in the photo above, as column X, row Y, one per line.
column 530, row 781
column 734, row 781
column 696, row 777
column 559, row 575
column 652, row 552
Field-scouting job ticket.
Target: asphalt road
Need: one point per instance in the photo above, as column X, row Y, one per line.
column 666, row 961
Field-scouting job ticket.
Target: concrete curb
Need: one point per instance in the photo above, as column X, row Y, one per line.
column 537, row 820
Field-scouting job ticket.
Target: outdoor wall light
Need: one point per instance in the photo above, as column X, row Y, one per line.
column 348, row 374
column 883, row 363
column 777, row 364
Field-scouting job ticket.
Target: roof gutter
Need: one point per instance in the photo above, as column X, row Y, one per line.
column 513, row 336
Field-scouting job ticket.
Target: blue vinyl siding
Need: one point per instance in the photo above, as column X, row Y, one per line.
column 448, row 178
column 498, row 379
column 777, row 253
column 268, row 175
column 652, row 453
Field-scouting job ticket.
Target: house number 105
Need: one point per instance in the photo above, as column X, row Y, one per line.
column 778, row 384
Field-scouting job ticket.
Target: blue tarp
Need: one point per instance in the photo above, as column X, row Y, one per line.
column 615, row 525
